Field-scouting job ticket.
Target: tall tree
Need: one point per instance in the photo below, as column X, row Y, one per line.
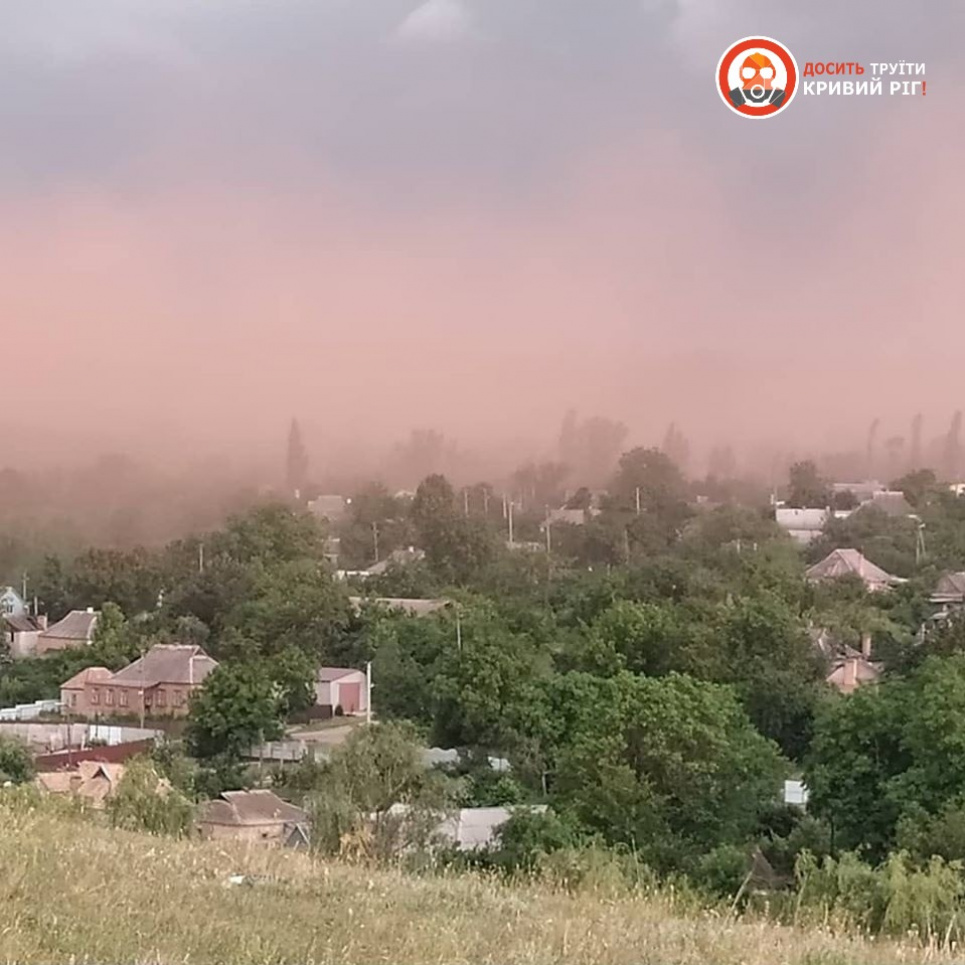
column 806, row 487
column 953, row 448
column 296, row 462
column 914, row 457
column 675, row 445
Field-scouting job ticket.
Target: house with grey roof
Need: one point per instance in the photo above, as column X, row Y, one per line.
column 842, row 563
column 341, row 690
column 258, row 817
column 411, row 607
column 802, row 525
column 20, row 634
column 75, row 630
column 950, row 589
column 468, row 829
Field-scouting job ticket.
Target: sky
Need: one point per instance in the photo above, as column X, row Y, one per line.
column 469, row 215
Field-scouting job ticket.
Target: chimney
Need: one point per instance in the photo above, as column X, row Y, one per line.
column 90, row 609
column 41, row 620
column 866, row 645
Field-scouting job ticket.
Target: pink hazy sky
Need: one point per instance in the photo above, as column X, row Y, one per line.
column 469, row 215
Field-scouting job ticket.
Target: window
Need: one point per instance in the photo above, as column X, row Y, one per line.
column 109, row 698
column 95, row 696
column 177, row 698
column 73, row 700
column 7, row 606
column 122, row 698
column 161, row 700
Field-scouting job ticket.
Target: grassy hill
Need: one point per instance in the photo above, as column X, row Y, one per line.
column 70, row 890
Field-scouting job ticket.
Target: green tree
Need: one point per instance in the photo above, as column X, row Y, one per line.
column 806, row 487
column 16, row 764
column 662, row 487
column 292, row 604
column 667, row 764
column 144, row 802
column 378, row 768
column 238, row 707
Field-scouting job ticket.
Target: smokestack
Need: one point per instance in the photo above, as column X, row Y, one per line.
column 866, row 645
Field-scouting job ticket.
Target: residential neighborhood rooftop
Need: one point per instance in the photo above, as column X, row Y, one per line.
column 240, row 808
column 169, row 664
column 77, row 625
column 850, row 562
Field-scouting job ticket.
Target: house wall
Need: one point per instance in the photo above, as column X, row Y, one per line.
column 10, row 603
column 47, row 644
column 329, row 693
column 251, row 833
column 105, row 700
column 23, row 644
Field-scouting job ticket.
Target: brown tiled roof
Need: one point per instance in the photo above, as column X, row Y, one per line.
column 90, row 675
column 846, row 562
column 77, row 625
column 20, row 624
column 167, row 663
column 241, row 808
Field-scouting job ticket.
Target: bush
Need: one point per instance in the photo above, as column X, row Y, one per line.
column 144, row 802
column 895, row 898
column 16, row 764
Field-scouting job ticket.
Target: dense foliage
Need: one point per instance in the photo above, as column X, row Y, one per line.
column 653, row 676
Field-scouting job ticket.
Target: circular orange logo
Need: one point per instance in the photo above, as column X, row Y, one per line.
column 757, row 77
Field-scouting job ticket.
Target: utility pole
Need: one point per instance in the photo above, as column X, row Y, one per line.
column 375, row 539
column 142, row 689
column 368, row 692
column 201, row 557
column 511, row 543
column 638, row 500
column 24, row 586
column 465, row 501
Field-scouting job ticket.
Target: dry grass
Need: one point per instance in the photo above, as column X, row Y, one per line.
column 70, row 891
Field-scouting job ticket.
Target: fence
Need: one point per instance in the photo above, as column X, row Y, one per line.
column 30, row 711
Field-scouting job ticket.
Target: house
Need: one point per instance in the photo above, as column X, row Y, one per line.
column 258, row 816
column 94, row 781
column 470, row 829
column 401, row 557
column 849, row 562
column 20, row 634
column 75, row 630
column 950, row 589
column 413, row 608
column 848, row 668
column 572, row 517
column 11, row 603
column 341, row 688
column 862, row 491
column 159, row 684
column 802, row 525
column 330, row 508
column 890, row 502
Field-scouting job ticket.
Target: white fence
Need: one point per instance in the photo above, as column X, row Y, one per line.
column 30, row 711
